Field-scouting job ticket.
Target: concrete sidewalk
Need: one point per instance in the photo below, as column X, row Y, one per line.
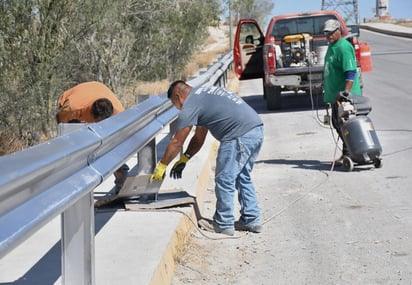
column 131, row 247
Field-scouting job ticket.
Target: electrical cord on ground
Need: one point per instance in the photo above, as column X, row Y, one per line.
column 327, row 176
column 396, row 152
column 399, row 151
column 202, row 232
column 395, row 130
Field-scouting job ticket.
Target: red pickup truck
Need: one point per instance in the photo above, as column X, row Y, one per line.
column 290, row 56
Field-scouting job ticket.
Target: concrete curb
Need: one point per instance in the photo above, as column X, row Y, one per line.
column 387, row 32
column 164, row 272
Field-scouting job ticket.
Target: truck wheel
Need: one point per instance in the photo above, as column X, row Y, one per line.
column 273, row 97
column 265, row 91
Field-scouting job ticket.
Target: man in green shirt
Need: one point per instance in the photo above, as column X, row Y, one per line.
column 340, row 73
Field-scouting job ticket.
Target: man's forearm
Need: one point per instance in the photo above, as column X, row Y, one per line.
column 348, row 85
column 197, row 141
column 193, row 147
column 175, row 145
column 171, row 152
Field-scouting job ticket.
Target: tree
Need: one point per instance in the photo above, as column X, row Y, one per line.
column 47, row 46
column 254, row 9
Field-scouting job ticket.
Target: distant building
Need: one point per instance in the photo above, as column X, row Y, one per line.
column 382, row 9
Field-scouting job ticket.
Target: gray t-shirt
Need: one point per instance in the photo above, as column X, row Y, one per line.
column 220, row 111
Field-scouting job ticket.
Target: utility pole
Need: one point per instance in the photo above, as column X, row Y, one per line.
column 348, row 9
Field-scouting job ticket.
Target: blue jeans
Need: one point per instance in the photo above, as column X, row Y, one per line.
column 234, row 162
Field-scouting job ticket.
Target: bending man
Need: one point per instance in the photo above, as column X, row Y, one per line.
column 240, row 132
column 91, row 102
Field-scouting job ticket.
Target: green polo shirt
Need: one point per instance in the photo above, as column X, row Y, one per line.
column 339, row 58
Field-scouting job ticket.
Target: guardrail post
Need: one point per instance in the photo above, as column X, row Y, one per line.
column 78, row 243
column 147, row 158
column 77, row 235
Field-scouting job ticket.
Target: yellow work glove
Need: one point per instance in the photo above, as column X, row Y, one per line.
column 178, row 167
column 159, row 172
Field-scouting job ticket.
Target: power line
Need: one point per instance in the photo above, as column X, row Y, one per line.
column 348, row 9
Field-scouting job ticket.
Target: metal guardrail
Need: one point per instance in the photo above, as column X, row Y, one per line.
column 58, row 176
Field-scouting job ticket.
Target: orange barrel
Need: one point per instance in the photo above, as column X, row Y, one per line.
column 365, row 57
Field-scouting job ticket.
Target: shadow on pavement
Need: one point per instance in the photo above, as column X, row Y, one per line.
column 48, row 269
column 314, row 165
column 304, row 164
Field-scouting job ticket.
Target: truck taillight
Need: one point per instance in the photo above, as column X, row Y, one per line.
column 271, row 56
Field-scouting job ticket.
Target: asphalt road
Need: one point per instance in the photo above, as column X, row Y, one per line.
column 323, row 226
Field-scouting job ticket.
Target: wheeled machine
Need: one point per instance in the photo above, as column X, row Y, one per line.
column 358, row 131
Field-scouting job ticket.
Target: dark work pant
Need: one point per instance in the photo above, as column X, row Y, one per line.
column 336, row 123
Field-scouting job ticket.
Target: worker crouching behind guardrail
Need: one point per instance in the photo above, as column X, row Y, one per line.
column 91, row 102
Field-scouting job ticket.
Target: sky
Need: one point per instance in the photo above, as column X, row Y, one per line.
column 398, row 9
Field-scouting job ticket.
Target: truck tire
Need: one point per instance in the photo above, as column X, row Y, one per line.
column 264, row 90
column 273, row 97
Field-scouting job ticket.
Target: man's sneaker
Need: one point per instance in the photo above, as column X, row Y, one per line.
column 208, row 225
column 253, row 229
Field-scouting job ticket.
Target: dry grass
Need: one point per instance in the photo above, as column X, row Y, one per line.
column 9, row 143
column 150, row 88
column 198, row 61
column 201, row 60
column 405, row 23
column 143, row 88
column 210, row 40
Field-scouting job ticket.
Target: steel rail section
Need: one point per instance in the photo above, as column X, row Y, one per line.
column 58, row 177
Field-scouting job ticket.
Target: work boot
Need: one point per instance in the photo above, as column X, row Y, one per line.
column 209, row 226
